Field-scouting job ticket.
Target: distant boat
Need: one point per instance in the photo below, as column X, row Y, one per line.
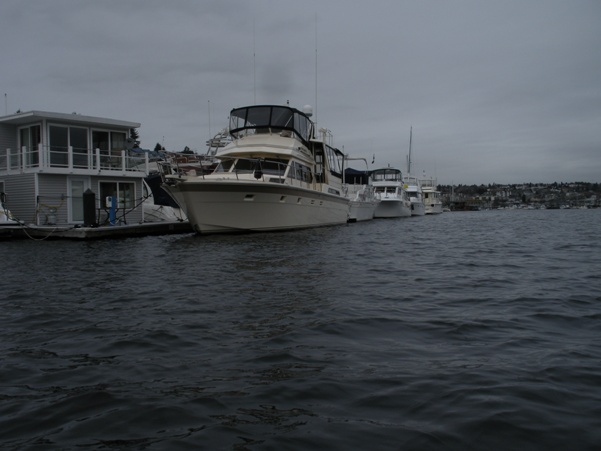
column 363, row 200
column 432, row 197
column 394, row 200
column 275, row 174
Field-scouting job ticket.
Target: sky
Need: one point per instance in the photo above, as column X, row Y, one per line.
column 493, row 91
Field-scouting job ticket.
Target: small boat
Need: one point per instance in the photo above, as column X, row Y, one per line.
column 363, row 200
column 416, row 195
column 159, row 206
column 275, row 174
column 8, row 223
column 394, row 200
column 432, row 197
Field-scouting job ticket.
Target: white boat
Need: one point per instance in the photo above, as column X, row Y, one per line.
column 362, row 196
column 8, row 223
column 6, row 217
column 416, row 195
column 159, row 206
column 394, row 201
column 432, row 197
column 363, row 202
column 273, row 175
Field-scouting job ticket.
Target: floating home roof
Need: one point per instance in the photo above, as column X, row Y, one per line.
column 35, row 116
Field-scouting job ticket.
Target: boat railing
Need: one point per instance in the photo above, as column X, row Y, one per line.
column 59, row 158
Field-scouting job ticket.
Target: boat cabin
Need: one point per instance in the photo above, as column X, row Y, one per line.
column 49, row 160
column 313, row 161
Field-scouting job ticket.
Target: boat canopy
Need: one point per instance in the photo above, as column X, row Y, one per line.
column 355, row 177
column 270, row 119
column 386, row 175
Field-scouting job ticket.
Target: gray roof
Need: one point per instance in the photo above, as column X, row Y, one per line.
column 36, row 116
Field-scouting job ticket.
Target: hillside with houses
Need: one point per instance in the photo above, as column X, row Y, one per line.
column 526, row 195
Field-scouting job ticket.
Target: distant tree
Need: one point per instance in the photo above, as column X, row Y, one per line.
column 158, row 147
column 187, row 150
column 134, row 134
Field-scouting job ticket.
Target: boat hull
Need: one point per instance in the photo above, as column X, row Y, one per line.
column 388, row 208
column 418, row 209
column 241, row 206
column 434, row 209
column 362, row 210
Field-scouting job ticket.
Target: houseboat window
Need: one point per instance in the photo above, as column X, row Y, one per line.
column 30, row 141
column 59, row 142
column 78, row 139
column 100, row 140
column 123, row 190
column 117, row 143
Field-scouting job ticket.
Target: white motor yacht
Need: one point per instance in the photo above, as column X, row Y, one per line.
column 416, row 196
column 275, row 174
column 432, row 197
column 394, row 200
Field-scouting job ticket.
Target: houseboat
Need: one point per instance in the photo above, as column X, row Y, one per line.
column 70, row 170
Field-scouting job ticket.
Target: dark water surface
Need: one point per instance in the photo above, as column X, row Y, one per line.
column 463, row 331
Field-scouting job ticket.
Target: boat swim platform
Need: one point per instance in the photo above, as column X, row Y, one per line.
column 92, row 233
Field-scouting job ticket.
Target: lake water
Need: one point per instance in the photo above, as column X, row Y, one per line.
column 462, row 331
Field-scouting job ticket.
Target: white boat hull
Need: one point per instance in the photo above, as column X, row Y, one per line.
column 243, row 206
column 433, row 209
column 393, row 208
column 362, row 210
column 418, row 209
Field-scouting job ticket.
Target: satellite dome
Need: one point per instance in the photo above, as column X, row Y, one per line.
column 308, row 110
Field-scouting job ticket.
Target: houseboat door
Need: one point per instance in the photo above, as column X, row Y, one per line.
column 77, row 186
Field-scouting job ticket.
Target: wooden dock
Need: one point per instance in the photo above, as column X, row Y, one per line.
column 92, row 233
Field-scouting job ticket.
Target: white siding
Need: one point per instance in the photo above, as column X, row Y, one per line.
column 20, row 196
column 52, row 194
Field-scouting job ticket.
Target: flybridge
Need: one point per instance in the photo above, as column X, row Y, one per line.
column 270, row 119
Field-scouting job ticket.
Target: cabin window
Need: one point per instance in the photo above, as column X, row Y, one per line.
column 300, row 172
column 245, row 166
column 334, row 161
column 224, row 166
column 274, row 167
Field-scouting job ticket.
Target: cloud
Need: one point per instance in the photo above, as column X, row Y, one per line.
column 505, row 92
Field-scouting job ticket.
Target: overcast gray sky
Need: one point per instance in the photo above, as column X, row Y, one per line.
column 496, row 91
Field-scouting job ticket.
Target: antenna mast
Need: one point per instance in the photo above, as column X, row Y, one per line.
column 409, row 157
column 254, row 64
column 315, row 106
